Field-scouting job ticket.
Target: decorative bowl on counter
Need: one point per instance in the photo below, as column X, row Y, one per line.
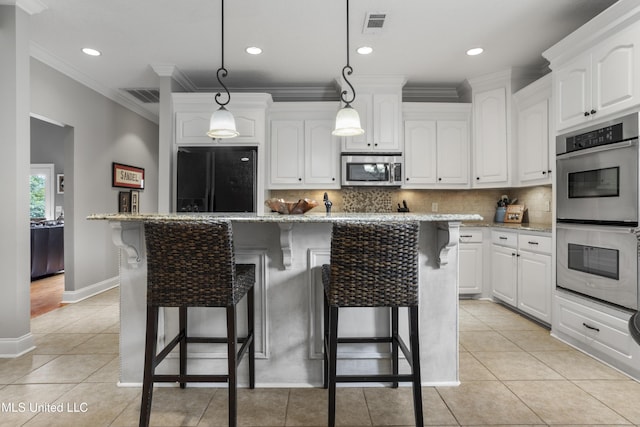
column 291, row 208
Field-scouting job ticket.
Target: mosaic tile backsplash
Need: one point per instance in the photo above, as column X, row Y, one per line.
column 480, row 201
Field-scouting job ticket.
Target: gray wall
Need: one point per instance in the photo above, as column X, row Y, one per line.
column 101, row 132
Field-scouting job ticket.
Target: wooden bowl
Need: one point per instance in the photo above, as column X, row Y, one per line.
column 291, row 208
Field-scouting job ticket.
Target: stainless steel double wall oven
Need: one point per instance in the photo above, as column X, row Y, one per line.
column 597, row 211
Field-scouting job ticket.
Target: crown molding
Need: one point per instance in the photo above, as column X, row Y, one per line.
column 171, row 70
column 56, row 63
column 32, row 7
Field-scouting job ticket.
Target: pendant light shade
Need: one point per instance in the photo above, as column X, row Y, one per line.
column 347, row 120
column 222, row 123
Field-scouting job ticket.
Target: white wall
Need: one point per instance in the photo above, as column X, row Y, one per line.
column 103, row 132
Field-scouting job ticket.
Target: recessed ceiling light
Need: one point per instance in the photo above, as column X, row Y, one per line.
column 91, row 52
column 364, row 50
column 475, row 51
column 253, row 50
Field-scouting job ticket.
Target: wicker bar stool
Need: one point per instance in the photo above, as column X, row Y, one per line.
column 191, row 264
column 373, row 264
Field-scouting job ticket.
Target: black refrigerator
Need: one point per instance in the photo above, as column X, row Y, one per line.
column 216, row 179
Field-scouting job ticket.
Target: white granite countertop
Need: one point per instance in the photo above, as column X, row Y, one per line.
column 275, row 217
column 541, row 227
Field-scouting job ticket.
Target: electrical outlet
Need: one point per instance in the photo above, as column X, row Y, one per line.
column 434, row 207
column 547, row 206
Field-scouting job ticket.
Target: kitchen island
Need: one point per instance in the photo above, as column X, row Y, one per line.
column 288, row 251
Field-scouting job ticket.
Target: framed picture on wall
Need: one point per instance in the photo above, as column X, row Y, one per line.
column 135, row 201
column 60, row 183
column 127, row 176
column 124, row 202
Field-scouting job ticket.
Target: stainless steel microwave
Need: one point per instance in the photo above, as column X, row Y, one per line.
column 372, row 169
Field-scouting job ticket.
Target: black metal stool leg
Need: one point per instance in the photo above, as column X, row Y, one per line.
column 325, row 341
column 251, row 336
column 333, row 356
column 415, row 358
column 394, row 344
column 232, row 339
column 149, row 360
column 182, row 313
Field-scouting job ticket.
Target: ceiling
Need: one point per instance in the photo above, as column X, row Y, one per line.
column 303, row 41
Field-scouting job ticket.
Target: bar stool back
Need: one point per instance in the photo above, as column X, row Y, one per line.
column 373, row 264
column 191, row 263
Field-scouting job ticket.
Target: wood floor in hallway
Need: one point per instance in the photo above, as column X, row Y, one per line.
column 46, row 294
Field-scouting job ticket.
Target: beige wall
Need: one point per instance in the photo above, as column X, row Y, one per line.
column 482, row 202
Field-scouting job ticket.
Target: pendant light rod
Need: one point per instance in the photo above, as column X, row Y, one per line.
column 347, row 70
column 222, row 72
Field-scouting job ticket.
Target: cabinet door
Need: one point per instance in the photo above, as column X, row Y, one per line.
column 534, row 285
column 364, row 106
column 504, row 268
column 453, row 152
column 321, row 154
column 420, row 152
column 287, row 155
column 386, row 122
column 533, row 144
column 470, row 262
column 615, row 65
column 573, row 90
column 490, row 132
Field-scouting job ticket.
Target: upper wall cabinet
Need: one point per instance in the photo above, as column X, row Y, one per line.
column 302, row 151
column 533, row 142
column 379, row 104
column 193, row 113
column 596, row 68
column 436, row 145
column 490, row 142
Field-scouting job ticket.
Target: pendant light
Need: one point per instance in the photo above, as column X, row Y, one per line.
column 222, row 124
column 347, row 119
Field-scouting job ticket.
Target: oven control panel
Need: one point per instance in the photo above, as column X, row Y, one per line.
column 594, row 138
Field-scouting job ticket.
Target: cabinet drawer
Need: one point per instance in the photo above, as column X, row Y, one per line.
column 534, row 243
column 504, row 238
column 470, row 236
column 602, row 331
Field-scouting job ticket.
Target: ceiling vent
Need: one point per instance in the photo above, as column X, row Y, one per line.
column 373, row 22
column 146, row 96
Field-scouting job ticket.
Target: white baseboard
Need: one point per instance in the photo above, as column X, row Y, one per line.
column 69, row 297
column 16, row 347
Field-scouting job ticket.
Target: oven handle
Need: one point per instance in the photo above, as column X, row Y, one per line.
column 598, row 149
column 599, row 228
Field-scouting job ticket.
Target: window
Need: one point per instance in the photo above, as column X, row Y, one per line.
column 41, row 183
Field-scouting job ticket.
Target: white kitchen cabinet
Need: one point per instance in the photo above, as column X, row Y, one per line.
column 490, row 143
column 504, row 266
column 471, row 261
column 303, row 154
column 534, row 149
column 534, row 276
column 380, row 119
column 600, row 81
column 521, row 272
column 598, row 329
column 436, row 145
column 379, row 104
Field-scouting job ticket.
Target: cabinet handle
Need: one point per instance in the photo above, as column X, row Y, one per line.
column 466, row 235
column 407, row 178
column 299, row 179
column 376, row 144
column 532, row 243
column 477, row 178
column 513, row 254
column 439, row 179
column 368, row 144
column 586, row 114
column 502, row 238
column 549, row 171
column 544, row 172
column 593, row 111
column 333, row 179
column 593, row 328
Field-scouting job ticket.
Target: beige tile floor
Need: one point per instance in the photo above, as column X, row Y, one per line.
column 512, row 373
